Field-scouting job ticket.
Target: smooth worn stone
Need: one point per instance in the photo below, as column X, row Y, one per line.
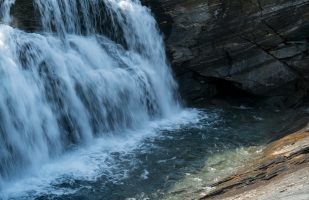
column 272, row 165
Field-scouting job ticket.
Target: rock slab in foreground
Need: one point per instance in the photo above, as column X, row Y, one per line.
column 282, row 157
column 292, row 187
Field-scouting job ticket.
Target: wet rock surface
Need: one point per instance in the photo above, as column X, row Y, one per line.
column 281, row 158
column 25, row 16
column 256, row 46
column 292, row 186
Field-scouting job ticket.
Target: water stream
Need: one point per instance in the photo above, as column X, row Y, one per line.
column 89, row 107
column 69, row 82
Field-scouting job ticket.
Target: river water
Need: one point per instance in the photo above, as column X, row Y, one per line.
column 89, row 108
column 190, row 150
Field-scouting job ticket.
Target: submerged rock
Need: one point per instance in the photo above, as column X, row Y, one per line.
column 257, row 46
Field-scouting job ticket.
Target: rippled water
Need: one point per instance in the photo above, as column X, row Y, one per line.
column 89, row 109
column 151, row 162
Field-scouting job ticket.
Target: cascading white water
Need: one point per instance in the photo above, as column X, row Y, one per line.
column 93, row 67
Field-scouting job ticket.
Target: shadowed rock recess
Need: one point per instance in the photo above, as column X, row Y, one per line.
column 237, row 48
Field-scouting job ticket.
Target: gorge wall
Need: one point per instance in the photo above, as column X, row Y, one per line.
column 238, row 48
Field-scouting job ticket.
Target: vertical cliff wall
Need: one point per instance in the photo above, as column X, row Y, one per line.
column 226, row 47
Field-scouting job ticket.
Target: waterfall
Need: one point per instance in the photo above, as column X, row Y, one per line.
column 92, row 67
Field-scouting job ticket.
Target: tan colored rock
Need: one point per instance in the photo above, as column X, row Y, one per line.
column 272, row 174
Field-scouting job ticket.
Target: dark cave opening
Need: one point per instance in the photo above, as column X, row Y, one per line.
column 230, row 89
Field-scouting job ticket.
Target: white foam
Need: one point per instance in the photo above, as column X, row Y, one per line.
column 72, row 81
column 88, row 163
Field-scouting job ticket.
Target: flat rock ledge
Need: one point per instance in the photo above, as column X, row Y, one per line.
column 282, row 172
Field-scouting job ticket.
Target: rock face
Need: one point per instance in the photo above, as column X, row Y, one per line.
column 281, row 157
column 24, row 15
column 253, row 47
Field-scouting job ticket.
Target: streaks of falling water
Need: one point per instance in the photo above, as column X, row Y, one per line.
column 91, row 68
